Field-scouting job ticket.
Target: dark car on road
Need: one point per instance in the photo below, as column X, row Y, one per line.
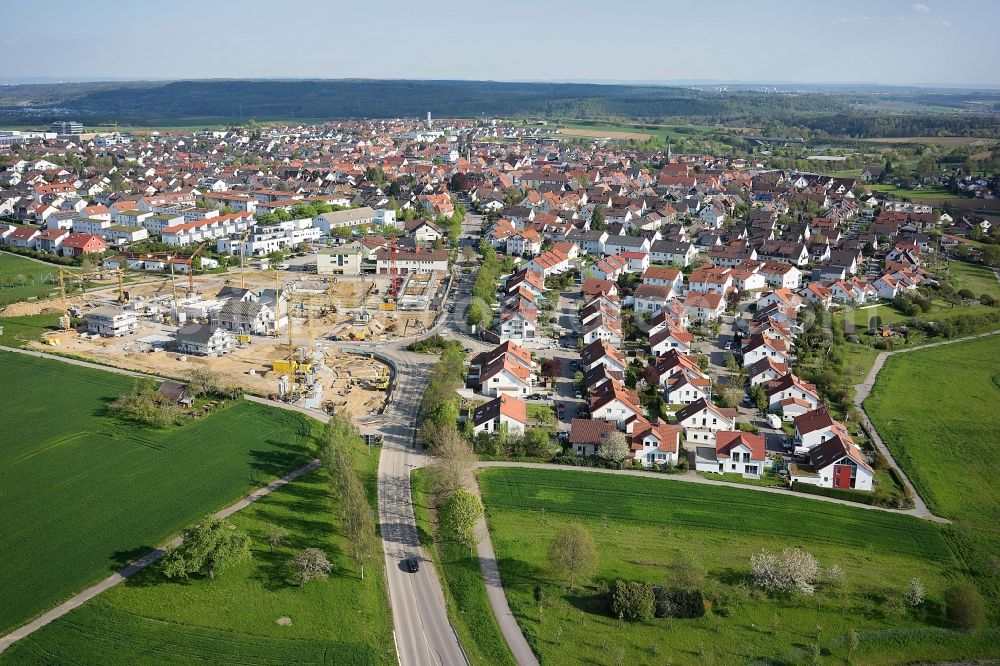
column 412, row 564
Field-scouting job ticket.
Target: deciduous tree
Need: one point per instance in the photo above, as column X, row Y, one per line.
column 572, row 554
column 614, row 447
column 208, row 547
column 311, row 564
column 459, row 516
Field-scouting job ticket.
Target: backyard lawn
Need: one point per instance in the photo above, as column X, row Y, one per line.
column 234, row 619
column 641, row 527
column 83, row 493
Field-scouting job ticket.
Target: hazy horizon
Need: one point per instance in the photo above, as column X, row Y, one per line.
column 854, row 42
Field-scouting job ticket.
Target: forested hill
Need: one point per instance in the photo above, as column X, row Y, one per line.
column 853, row 114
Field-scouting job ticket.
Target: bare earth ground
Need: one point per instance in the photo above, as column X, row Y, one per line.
column 320, row 310
column 593, row 133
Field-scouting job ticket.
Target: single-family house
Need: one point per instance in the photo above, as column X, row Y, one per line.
column 586, row 435
column 735, row 452
column 503, row 411
column 701, row 420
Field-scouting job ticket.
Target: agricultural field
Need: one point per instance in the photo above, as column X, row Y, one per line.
column 641, row 526
column 464, row 591
column 936, row 410
column 22, row 278
column 83, row 493
column 234, row 619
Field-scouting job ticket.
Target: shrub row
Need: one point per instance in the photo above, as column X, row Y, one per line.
column 860, row 496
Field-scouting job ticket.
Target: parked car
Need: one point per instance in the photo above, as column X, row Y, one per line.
column 412, row 564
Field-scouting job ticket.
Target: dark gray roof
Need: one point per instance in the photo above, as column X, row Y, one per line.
column 196, row 333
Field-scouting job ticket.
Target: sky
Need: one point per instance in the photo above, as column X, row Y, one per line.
column 879, row 41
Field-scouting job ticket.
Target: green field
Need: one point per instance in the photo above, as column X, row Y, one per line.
column 937, row 410
column 977, row 279
column 464, row 591
column 642, row 525
column 17, row 331
column 82, row 493
column 928, row 193
column 22, row 278
column 233, row 619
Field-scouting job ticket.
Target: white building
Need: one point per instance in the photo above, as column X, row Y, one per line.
column 111, row 321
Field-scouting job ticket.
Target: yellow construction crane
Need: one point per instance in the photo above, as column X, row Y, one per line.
column 65, row 275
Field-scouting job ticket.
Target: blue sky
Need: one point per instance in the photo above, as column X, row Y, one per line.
column 884, row 41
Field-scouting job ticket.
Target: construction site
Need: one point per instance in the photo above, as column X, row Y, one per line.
column 274, row 333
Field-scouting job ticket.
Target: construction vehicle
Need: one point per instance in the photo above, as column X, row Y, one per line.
column 382, row 383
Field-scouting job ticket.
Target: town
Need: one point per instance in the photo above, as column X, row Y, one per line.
column 513, row 292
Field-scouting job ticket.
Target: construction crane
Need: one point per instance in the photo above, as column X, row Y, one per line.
column 189, row 262
column 394, row 277
column 65, row 275
column 243, row 275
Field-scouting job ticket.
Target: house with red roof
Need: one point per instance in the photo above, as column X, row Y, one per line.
column 613, row 402
column 586, row 435
column 653, row 442
column 51, row 240
column 735, row 452
column 704, row 306
column 701, row 420
column 23, row 237
column 790, row 386
column 503, row 411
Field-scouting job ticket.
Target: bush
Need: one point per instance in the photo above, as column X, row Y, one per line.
column 987, row 300
column 964, row 606
column 632, row 600
column 675, row 602
column 795, row 570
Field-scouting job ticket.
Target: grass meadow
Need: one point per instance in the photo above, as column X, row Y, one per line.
column 83, row 493
column 641, row 526
column 938, row 411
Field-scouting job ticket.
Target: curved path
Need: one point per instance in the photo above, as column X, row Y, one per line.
column 863, row 390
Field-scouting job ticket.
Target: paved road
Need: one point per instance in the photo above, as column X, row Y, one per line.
column 143, row 562
column 862, row 391
column 423, row 633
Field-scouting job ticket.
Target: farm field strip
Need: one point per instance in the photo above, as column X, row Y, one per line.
column 112, row 489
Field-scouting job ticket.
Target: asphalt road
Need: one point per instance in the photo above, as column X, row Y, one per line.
column 422, row 630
